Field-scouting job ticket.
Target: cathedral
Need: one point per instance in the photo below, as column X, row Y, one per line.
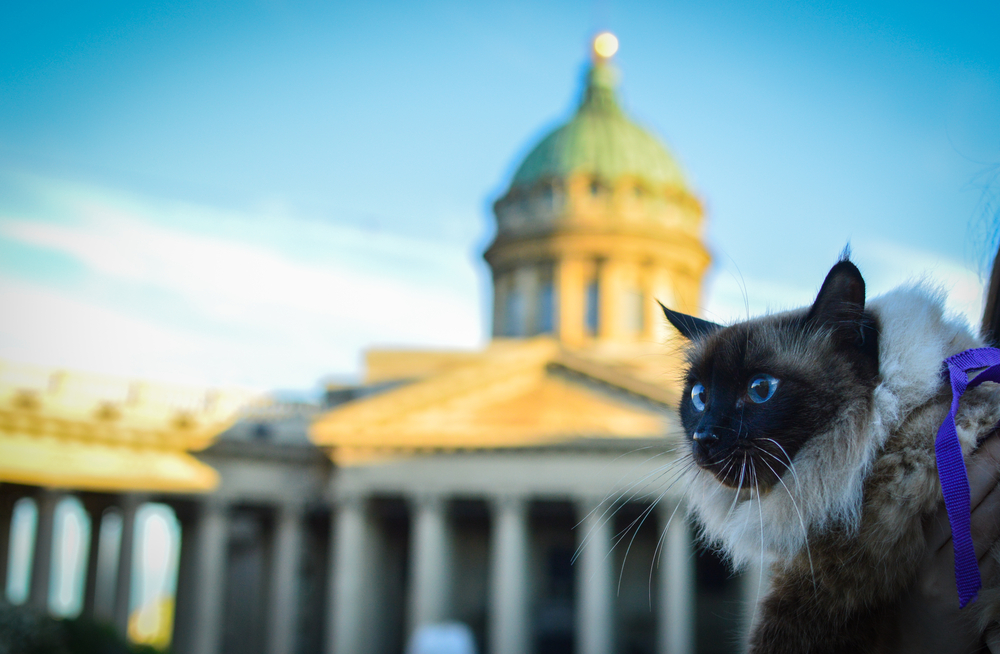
column 525, row 494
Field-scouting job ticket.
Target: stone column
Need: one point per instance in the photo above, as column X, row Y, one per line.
column 95, row 511
column 570, row 289
column 676, row 633
column 430, row 578
column 609, row 308
column 126, row 554
column 211, row 541
column 508, row 608
column 754, row 583
column 284, row 586
column 41, row 563
column 187, row 586
column 595, row 592
column 347, row 631
column 7, row 500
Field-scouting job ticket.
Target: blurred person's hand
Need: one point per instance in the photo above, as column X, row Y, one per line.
column 930, row 620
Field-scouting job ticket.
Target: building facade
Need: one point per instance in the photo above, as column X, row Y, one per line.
column 527, row 491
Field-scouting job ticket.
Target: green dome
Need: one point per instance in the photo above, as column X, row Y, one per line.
column 600, row 140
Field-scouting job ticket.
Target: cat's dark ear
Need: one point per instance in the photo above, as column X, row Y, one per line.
column 840, row 306
column 690, row 327
column 841, row 298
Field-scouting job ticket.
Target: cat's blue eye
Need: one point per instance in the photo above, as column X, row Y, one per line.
column 761, row 388
column 698, row 397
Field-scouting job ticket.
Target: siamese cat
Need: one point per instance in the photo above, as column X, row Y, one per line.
column 813, row 435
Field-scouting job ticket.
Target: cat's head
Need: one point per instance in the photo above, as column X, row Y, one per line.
column 757, row 392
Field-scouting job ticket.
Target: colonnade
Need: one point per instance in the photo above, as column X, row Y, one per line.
column 106, row 604
column 351, row 611
column 352, row 618
column 201, row 579
column 200, row 595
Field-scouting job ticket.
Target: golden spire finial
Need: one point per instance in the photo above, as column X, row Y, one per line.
column 605, row 45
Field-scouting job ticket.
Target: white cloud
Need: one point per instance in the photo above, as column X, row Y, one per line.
column 235, row 281
column 252, row 314
column 253, row 301
column 52, row 328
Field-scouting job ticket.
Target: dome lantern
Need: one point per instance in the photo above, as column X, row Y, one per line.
column 605, row 45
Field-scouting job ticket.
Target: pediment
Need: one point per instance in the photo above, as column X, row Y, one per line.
column 524, row 396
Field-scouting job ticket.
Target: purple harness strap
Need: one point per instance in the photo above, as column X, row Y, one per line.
column 951, row 467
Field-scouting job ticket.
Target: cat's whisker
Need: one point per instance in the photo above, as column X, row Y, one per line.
column 637, row 465
column 689, row 463
column 637, row 523
column 631, row 486
column 802, row 522
column 641, row 463
column 760, row 512
column 652, row 477
column 791, row 464
column 736, row 492
column 658, row 550
column 616, row 503
column 645, row 514
column 666, row 489
column 746, row 521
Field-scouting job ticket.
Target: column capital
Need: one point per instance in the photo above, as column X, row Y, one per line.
column 427, row 500
column 508, row 502
column 349, row 501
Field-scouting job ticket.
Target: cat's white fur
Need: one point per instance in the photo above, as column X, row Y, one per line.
column 915, row 337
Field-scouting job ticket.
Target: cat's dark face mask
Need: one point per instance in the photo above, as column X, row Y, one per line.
column 756, row 392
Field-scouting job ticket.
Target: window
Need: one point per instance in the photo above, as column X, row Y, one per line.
column 514, row 314
column 548, row 196
column 546, row 308
column 591, row 314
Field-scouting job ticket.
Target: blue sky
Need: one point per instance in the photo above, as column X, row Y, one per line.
column 252, row 193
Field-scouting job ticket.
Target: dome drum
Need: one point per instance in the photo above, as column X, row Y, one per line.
column 583, row 300
column 678, row 253
column 581, row 199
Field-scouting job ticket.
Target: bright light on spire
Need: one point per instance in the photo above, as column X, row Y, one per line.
column 605, row 45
